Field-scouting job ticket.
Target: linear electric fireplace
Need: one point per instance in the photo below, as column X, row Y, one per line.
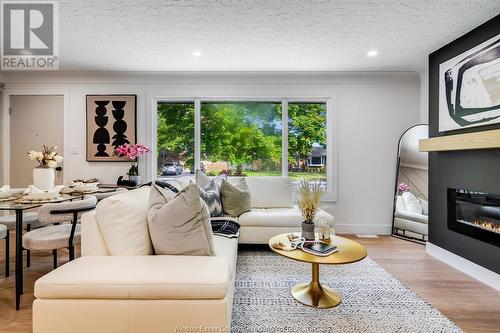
column 475, row 214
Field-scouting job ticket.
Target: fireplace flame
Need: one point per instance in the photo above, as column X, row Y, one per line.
column 487, row 224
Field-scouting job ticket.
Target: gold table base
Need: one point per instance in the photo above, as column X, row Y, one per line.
column 314, row 294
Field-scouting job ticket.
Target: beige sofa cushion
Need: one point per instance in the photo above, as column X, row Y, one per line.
column 122, row 221
column 270, row 192
column 278, row 217
column 137, row 277
column 92, row 241
column 235, row 198
column 180, row 224
column 227, row 248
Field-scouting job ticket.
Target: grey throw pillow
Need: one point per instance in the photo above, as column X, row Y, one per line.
column 210, row 194
column 235, row 198
column 179, row 224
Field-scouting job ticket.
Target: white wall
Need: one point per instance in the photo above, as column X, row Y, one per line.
column 371, row 111
column 424, row 95
column 371, row 120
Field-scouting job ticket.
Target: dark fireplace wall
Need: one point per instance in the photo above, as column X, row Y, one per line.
column 471, row 169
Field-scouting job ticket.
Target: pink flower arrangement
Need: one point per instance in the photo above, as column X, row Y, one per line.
column 131, row 151
column 403, row 188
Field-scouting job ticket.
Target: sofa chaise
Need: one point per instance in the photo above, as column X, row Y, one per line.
column 118, row 286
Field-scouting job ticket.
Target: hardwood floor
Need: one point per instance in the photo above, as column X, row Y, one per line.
column 470, row 304
column 467, row 302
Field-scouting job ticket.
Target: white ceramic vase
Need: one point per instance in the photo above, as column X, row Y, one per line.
column 44, row 178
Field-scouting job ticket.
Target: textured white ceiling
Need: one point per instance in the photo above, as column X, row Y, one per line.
column 266, row 35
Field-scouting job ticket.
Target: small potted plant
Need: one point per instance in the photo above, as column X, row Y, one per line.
column 310, row 194
column 43, row 174
column 132, row 152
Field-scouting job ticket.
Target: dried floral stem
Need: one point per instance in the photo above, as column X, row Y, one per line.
column 310, row 194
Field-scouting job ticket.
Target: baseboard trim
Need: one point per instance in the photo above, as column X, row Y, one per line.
column 373, row 229
column 479, row 273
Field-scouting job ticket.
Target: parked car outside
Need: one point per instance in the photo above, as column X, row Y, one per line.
column 172, row 168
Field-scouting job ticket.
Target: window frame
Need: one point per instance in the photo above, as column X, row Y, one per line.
column 331, row 132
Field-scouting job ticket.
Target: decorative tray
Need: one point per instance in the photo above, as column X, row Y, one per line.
column 9, row 198
column 26, row 200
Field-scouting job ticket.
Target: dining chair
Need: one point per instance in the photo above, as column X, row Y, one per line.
column 30, row 221
column 57, row 233
column 4, row 233
column 104, row 195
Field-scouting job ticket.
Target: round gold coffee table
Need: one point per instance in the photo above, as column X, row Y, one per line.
column 314, row 294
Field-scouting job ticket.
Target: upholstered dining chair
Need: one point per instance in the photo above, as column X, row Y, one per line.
column 4, row 232
column 57, row 233
column 103, row 195
column 30, row 221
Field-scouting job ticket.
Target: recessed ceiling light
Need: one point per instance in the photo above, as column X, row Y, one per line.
column 196, row 53
column 372, row 53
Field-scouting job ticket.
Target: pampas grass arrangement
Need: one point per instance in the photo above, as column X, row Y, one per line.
column 310, row 194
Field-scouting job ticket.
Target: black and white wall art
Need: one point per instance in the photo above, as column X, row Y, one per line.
column 469, row 87
column 111, row 122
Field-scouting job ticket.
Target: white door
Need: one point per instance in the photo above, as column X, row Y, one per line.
column 35, row 120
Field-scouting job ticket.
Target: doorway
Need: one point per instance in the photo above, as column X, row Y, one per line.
column 35, row 120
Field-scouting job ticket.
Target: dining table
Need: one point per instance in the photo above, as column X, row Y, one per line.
column 19, row 206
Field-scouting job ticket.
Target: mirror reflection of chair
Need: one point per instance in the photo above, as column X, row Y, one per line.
column 410, row 214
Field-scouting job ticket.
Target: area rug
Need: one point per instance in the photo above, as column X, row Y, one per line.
column 372, row 299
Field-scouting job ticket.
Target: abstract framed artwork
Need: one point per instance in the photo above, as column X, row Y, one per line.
column 111, row 122
column 469, row 87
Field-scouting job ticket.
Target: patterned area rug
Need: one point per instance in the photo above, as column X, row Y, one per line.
column 372, row 299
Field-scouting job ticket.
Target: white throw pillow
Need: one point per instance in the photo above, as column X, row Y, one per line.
column 123, row 223
column 180, row 225
column 425, row 206
column 270, row 192
column 411, row 203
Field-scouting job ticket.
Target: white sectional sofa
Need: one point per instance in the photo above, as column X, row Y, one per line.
column 118, row 286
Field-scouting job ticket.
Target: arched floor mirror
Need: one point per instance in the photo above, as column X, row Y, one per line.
column 410, row 214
